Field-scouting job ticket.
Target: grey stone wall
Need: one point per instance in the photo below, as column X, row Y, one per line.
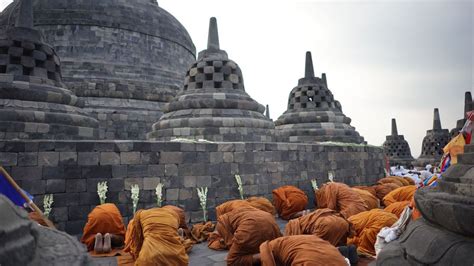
column 71, row 169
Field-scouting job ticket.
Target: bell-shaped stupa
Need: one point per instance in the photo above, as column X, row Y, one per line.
column 313, row 114
column 468, row 106
column 396, row 148
column 213, row 104
column 433, row 143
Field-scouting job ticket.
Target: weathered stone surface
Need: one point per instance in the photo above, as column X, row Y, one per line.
column 396, row 148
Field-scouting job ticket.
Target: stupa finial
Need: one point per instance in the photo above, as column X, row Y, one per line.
column 213, row 38
column 394, row 127
column 309, row 70
column 325, row 81
column 436, row 120
column 25, row 15
column 267, row 111
column 467, row 102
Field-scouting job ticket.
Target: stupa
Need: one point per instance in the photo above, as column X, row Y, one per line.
column 396, row 148
column 433, row 143
column 35, row 104
column 213, row 104
column 468, row 106
column 313, row 115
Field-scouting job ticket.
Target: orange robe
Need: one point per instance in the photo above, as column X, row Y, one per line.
column 409, row 180
column 243, row 230
column 262, row 203
column 393, row 180
column 383, row 189
column 200, row 232
column 307, row 250
column 324, row 223
column 288, row 200
column 397, row 207
column 400, row 194
column 367, row 225
column 370, row 189
column 369, row 199
column 105, row 218
column 341, row 198
column 182, row 219
column 154, row 239
column 416, row 213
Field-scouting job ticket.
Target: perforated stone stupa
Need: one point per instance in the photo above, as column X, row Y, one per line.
column 124, row 58
column 313, row 115
column 213, row 104
column 34, row 103
column 396, row 148
column 468, row 106
column 433, row 143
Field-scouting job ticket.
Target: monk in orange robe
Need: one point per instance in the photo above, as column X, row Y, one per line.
column 153, row 238
column 243, row 230
column 104, row 220
column 288, row 201
column 324, row 223
column 382, row 190
column 397, row 207
column 256, row 202
column 300, row 250
column 400, row 194
column 370, row 200
column 367, row 225
column 341, row 198
column 370, row 189
column 409, row 180
column 393, row 180
column 263, row 204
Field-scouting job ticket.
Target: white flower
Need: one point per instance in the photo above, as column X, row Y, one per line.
column 314, row 184
column 102, row 191
column 135, row 197
column 202, row 194
column 159, row 194
column 331, row 176
column 239, row 183
column 47, row 203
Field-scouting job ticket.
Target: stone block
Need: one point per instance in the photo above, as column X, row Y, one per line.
column 133, row 181
column 76, row 185
column 109, row 158
column 171, row 170
column 171, row 157
column 150, row 158
column 116, row 185
column 8, row 159
column 75, row 227
column 137, row 170
column 104, row 171
column 189, row 181
column 59, row 214
column 34, row 187
column 185, row 194
column 26, row 173
column 55, row 186
column 88, row 158
column 89, row 198
column 150, row 183
column 78, row 212
column 130, row 158
column 68, row 158
column 228, row 157
column 172, row 194
column 27, row 159
column 203, row 181
column 119, row 171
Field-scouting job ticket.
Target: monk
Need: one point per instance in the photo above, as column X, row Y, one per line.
column 397, row 207
column 154, row 240
column 288, row 201
column 243, row 230
column 256, row 202
column 263, row 204
column 370, row 189
column 400, row 194
column 391, row 180
column 382, row 190
column 367, row 225
column 341, row 198
column 104, row 229
column 182, row 220
column 300, row 250
column 326, row 224
column 370, row 200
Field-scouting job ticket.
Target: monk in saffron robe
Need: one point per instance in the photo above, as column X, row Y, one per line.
column 256, row 202
column 327, row 224
column 262, row 203
column 397, row 207
column 386, row 180
column 182, row 220
column 300, row 250
column 370, row 189
column 341, row 198
column 243, row 230
column 367, row 225
column 103, row 220
column 399, row 194
column 288, row 201
column 154, row 240
column 409, row 180
column 369, row 199
column 383, row 189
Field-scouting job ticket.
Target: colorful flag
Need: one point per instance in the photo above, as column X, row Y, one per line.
column 10, row 192
column 455, row 147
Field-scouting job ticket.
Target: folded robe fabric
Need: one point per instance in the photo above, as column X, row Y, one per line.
column 300, row 250
column 409, row 180
column 201, row 232
column 366, row 226
column 370, row 200
column 393, row 180
column 243, row 230
column 341, row 198
column 262, row 203
column 370, row 189
column 397, row 207
column 154, row 239
column 105, row 218
column 326, row 224
column 288, row 200
column 182, row 219
column 383, row 189
column 399, row 194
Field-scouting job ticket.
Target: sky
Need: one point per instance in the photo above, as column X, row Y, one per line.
column 383, row 59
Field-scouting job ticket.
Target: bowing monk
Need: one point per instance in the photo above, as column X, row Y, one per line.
column 370, row 200
column 299, row 250
column 405, row 193
column 382, row 190
column 256, row 202
column 367, row 225
column 289, row 201
column 243, row 230
column 153, row 238
column 326, row 224
column 341, row 198
column 104, row 229
column 397, row 207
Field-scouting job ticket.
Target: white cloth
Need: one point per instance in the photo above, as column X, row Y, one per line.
column 388, row 234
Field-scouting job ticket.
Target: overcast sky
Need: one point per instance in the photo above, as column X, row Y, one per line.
column 383, row 59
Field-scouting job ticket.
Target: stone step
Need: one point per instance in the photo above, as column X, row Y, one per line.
column 466, row 158
column 469, row 148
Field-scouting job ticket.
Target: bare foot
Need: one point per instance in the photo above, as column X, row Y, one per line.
column 98, row 245
column 107, row 243
column 181, row 233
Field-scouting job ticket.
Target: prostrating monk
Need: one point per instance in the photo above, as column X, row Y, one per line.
column 383, row 189
column 104, row 229
column 409, row 180
column 341, row 198
column 300, row 250
column 182, row 219
column 369, row 199
column 243, row 230
column 263, row 204
column 154, row 238
column 256, row 202
column 367, row 225
column 393, row 180
column 370, row 189
column 399, row 194
column 324, row 223
column 397, row 207
column 288, row 201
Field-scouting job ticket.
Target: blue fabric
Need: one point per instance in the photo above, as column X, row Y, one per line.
column 9, row 191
